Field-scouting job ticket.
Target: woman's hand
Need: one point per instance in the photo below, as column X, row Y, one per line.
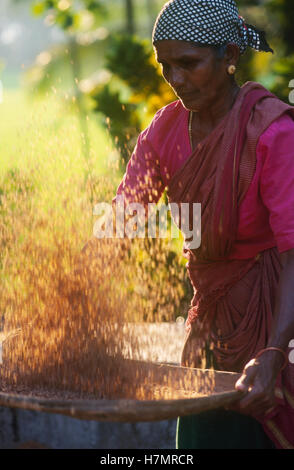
column 260, row 374
column 258, row 380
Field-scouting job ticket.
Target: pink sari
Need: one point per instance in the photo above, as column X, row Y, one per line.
column 234, row 299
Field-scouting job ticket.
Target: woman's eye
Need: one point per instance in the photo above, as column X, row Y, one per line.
column 190, row 64
column 165, row 66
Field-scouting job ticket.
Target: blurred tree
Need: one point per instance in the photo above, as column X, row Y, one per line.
column 150, row 4
column 135, row 74
column 284, row 13
column 121, row 119
column 274, row 72
column 281, row 16
column 131, row 60
column 130, row 25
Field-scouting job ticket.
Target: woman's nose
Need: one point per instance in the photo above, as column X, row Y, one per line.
column 176, row 77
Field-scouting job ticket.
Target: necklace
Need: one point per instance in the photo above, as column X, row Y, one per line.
column 192, row 113
column 190, row 129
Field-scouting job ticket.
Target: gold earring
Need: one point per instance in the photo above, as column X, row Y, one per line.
column 231, row 69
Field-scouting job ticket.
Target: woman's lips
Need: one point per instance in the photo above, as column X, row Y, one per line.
column 189, row 95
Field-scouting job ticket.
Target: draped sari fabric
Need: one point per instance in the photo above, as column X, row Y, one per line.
column 234, row 299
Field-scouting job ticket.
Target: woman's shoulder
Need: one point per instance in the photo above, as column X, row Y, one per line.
column 166, row 119
column 175, row 107
column 282, row 127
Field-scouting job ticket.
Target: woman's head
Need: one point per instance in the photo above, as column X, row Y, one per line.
column 196, row 41
column 197, row 74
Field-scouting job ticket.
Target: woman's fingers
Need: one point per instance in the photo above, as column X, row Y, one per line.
column 258, row 400
column 247, row 378
column 255, row 408
column 256, row 403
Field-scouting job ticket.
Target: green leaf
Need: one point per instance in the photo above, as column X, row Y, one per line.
column 50, row 4
column 38, row 8
column 65, row 19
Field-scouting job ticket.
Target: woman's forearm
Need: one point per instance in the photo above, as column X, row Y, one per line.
column 283, row 322
column 259, row 376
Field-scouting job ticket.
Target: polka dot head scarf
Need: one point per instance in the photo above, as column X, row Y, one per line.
column 207, row 22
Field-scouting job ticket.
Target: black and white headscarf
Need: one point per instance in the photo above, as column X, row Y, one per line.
column 207, row 22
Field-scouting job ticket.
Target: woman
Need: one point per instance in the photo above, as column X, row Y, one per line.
column 231, row 149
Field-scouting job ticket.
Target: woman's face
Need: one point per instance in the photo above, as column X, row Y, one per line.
column 195, row 74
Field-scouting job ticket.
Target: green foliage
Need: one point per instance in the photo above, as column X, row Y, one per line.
column 66, row 12
column 131, row 60
column 245, row 71
column 38, row 8
column 281, row 15
column 63, row 12
column 122, row 120
column 284, row 69
column 95, row 6
column 284, row 14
